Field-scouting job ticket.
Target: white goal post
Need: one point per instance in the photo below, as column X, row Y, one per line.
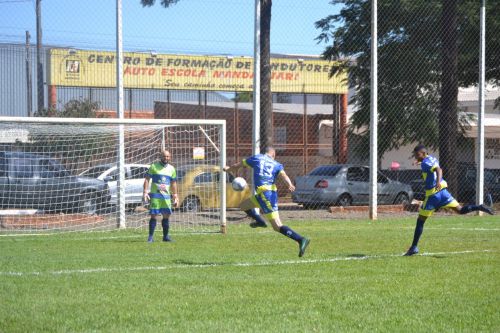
column 64, row 174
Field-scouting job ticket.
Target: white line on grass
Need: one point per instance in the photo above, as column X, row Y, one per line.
column 235, row 264
column 468, row 229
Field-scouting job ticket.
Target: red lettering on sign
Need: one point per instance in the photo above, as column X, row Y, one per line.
column 283, row 76
column 139, row 71
column 232, row 75
column 183, row 72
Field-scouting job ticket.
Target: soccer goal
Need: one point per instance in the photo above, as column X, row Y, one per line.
column 68, row 174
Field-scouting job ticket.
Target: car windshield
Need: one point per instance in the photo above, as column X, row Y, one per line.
column 325, row 170
column 94, row 172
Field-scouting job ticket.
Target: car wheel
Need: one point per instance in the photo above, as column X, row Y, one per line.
column 88, row 204
column 191, row 204
column 344, row 200
column 402, row 199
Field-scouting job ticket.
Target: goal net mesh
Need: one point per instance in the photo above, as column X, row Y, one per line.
column 64, row 177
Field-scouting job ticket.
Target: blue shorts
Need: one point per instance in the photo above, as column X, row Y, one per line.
column 441, row 199
column 268, row 202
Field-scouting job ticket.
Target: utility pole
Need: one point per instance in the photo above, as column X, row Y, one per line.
column 373, row 196
column 121, row 222
column 39, row 66
column 480, row 118
column 29, row 88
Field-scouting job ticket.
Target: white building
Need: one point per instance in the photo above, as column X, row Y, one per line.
column 468, row 102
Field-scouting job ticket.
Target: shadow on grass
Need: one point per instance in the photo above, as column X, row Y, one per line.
column 356, row 255
column 437, row 256
column 139, row 239
column 197, row 263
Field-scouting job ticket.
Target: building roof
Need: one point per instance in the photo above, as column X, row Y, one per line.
column 472, row 93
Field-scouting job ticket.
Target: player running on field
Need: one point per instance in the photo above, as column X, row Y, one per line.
column 163, row 190
column 436, row 195
column 265, row 173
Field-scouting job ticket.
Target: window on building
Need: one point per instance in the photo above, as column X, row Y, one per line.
column 279, row 137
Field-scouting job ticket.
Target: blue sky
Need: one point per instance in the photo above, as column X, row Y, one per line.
column 191, row 26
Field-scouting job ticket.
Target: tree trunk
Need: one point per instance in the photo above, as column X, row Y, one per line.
column 448, row 116
column 266, row 97
column 336, row 129
column 343, row 129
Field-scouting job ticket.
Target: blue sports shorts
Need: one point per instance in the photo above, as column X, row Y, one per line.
column 268, row 202
column 441, row 199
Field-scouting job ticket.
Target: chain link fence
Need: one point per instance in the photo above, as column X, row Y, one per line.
column 427, row 90
column 193, row 60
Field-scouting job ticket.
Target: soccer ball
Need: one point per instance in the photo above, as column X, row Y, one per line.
column 239, row 184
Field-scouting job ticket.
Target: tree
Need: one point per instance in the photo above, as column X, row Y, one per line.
column 73, row 109
column 243, row 97
column 73, row 144
column 266, row 100
column 417, row 85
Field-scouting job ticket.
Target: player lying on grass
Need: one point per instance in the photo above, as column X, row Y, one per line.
column 265, row 173
column 163, row 189
column 436, row 195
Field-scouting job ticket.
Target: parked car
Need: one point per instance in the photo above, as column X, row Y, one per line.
column 199, row 188
column 346, row 185
column 134, row 181
column 466, row 191
column 39, row 182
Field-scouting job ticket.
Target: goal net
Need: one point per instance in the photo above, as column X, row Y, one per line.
column 61, row 174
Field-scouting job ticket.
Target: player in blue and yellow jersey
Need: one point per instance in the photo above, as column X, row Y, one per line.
column 436, row 195
column 163, row 179
column 266, row 171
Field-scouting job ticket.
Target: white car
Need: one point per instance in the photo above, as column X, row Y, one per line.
column 134, row 180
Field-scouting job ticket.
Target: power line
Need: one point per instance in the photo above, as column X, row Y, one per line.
column 14, row 1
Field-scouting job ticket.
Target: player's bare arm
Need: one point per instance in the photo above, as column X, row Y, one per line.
column 145, row 189
column 175, row 195
column 233, row 168
column 287, row 180
column 439, row 173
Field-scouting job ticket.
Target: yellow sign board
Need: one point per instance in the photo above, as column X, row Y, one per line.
column 198, row 153
column 86, row 68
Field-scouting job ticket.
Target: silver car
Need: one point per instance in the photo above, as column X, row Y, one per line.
column 346, row 185
column 134, row 180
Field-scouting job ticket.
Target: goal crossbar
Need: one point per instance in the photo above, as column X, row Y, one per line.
column 113, row 121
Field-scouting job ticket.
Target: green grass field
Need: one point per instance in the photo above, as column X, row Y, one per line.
column 351, row 279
